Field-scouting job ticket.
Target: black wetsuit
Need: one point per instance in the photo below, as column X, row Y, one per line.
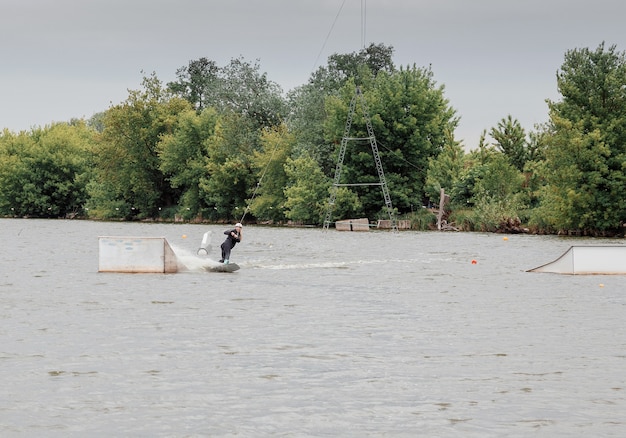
column 229, row 244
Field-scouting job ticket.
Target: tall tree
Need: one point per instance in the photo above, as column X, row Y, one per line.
column 307, row 102
column 510, row 139
column 487, row 194
column 269, row 164
column 585, row 165
column 129, row 180
column 44, row 173
column 230, row 177
column 412, row 122
column 239, row 86
column 307, row 191
column 355, row 66
column 444, row 170
column 247, row 91
column 183, row 156
column 198, row 82
column 306, row 121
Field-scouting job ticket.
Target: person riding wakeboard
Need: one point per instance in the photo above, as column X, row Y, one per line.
column 233, row 237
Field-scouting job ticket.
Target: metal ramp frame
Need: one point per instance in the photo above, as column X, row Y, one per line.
column 358, row 96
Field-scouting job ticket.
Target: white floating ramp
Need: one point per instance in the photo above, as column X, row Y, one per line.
column 601, row 259
column 136, row 255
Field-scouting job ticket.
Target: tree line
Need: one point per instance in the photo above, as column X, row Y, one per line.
column 221, row 143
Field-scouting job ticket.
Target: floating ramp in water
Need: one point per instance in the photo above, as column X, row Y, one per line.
column 137, row 255
column 601, row 259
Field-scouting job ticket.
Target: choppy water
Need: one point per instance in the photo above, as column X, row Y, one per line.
column 319, row 334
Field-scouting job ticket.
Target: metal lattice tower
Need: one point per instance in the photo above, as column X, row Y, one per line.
column 358, row 96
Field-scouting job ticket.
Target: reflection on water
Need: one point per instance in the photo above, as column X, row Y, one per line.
column 319, row 334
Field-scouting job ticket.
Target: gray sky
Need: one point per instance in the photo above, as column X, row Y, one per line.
column 61, row 59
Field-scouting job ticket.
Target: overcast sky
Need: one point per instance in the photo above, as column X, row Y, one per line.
column 61, row 59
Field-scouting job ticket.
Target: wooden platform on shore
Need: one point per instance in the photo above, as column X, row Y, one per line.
column 385, row 224
column 353, row 225
column 363, row 224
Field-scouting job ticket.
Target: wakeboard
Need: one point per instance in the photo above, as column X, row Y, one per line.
column 223, row 267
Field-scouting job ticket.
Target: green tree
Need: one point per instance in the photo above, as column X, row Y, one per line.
column 474, row 165
column 306, row 122
column 198, row 82
column 238, row 87
column 230, row 177
column 269, row 164
column 444, row 170
column 247, row 91
column 307, row 111
column 492, row 187
column 500, row 180
column 412, row 122
column 43, row 173
column 577, row 186
column 366, row 63
column 129, row 182
column 510, row 139
column 183, row 156
column 585, row 155
column 306, row 191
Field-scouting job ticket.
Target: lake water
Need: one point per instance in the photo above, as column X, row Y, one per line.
column 324, row 334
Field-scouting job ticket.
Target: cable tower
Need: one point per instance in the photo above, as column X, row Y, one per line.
column 358, row 96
